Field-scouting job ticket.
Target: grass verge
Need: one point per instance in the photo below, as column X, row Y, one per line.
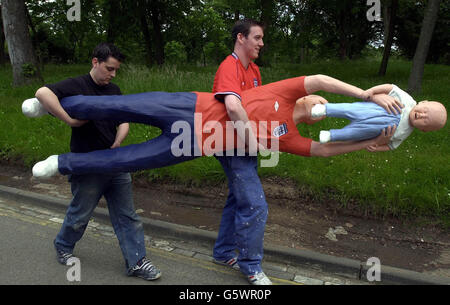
column 412, row 181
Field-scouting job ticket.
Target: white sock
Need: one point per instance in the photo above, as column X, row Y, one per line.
column 318, row 110
column 46, row 168
column 325, row 136
column 32, row 108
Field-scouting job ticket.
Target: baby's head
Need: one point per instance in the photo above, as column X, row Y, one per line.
column 428, row 116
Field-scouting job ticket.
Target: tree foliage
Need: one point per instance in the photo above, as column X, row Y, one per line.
column 296, row 30
column 411, row 14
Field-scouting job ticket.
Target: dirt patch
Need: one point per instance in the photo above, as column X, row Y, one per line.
column 295, row 220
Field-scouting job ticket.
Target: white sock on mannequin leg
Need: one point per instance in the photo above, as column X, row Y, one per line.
column 318, row 110
column 325, row 136
column 46, row 168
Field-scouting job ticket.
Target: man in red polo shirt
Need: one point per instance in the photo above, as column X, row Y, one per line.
column 245, row 212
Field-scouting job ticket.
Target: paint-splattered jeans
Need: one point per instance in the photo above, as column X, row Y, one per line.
column 244, row 215
column 87, row 191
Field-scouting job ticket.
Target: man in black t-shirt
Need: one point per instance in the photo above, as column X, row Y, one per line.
column 90, row 135
column 87, row 190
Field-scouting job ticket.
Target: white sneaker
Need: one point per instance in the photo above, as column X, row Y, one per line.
column 46, row 168
column 324, row 136
column 318, row 110
column 32, row 108
column 259, row 279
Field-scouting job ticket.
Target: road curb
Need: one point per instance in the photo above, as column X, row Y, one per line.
column 349, row 267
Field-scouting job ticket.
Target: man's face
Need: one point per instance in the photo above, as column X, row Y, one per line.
column 104, row 72
column 253, row 42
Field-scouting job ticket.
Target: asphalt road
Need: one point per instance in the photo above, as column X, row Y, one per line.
column 29, row 223
column 28, row 257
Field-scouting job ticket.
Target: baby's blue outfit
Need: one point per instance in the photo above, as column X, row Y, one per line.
column 367, row 120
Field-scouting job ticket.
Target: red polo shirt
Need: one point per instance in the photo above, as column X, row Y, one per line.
column 233, row 78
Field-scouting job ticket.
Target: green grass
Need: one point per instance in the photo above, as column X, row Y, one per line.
column 412, row 181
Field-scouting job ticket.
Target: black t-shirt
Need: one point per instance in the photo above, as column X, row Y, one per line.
column 94, row 135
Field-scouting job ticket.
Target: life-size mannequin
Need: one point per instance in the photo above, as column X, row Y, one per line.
column 280, row 104
column 367, row 120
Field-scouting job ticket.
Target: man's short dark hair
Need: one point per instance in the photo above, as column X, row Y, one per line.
column 104, row 50
column 243, row 26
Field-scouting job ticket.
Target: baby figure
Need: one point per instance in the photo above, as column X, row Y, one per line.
column 369, row 119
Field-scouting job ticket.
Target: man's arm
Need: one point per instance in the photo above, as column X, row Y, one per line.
column 237, row 113
column 51, row 103
column 338, row 148
column 122, row 133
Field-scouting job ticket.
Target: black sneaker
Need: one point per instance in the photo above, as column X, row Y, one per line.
column 63, row 256
column 232, row 262
column 146, row 270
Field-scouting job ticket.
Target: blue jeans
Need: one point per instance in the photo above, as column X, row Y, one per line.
column 87, row 191
column 244, row 215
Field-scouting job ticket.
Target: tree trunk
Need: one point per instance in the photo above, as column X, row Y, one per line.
column 2, row 40
column 112, row 8
column 302, row 55
column 34, row 40
column 141, row 10
column 342, row 46
column 157, row 35
column 426, row 33
column 343, row 40
column 21, row 53
column 386, row 18
column 389, row 38
column 236, row 16
column 267, row 17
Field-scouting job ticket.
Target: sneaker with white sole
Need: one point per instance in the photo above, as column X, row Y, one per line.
column 33, row 108
column 46, row 168
column 259, row 279
column 146, row 270
column 232, row 262
column 63, row 257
